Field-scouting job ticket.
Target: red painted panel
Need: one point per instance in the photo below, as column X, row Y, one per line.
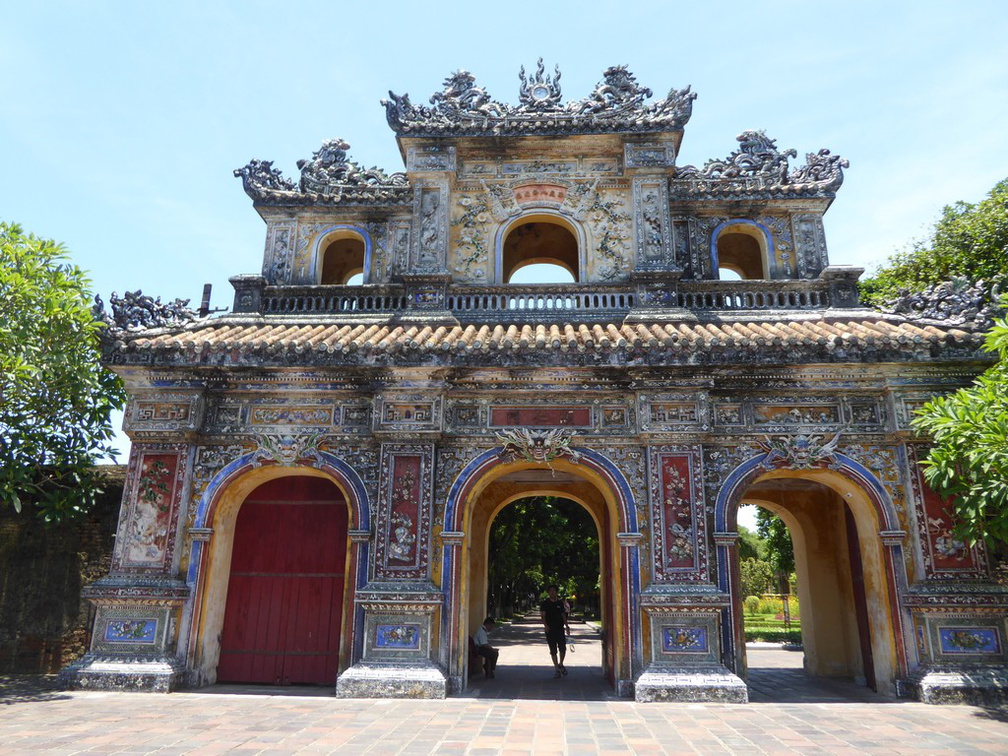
column 285, row 596
column 540, row 416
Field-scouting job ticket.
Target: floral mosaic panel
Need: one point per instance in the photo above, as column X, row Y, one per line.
column 943, row 552
column 969, row 640
column 686, row 640
column 677, row 519
column 146, row 538
column 405, row 530
column 139, row 631
column 397, row 637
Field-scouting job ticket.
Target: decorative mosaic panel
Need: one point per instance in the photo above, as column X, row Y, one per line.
column 649, row 155
column 152, row 503
column 969, row 640
column 403, row 538
column 133, row 631
column 615, row 416
column 726, row 413
column 944, row 554
column 408, row 413
column 430, row 211
column 685, row 640
column 167, row 413
column 542, row 417
column 278, row 261
column 398, row 637
column 652, row 224
column 796, row 414
column 673, row 412
column 291, row 415
column 677, row 515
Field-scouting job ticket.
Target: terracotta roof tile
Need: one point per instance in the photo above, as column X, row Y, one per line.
column 230, row 338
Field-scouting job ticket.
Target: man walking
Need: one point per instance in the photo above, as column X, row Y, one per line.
column 553, row 613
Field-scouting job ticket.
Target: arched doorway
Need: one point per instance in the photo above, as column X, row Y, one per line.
column 284, row 610
column 493, row 481
column 210, row 558
column 846, row 579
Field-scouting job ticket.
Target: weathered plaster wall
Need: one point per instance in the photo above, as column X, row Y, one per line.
column 44, row 623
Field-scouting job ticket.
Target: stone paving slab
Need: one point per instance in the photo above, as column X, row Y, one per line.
column 524, row 710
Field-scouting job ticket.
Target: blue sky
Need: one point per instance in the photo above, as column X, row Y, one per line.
column 121, row 123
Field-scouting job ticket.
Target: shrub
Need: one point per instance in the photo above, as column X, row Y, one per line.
column 752, row 604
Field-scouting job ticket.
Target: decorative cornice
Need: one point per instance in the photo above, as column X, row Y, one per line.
column 464, row 109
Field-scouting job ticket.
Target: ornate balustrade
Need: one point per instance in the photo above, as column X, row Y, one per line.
column 540, row 303
column 754, row 295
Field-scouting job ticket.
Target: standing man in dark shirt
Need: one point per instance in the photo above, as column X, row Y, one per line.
column 553, row 613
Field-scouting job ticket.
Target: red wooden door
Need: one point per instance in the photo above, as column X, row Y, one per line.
column 285, row 596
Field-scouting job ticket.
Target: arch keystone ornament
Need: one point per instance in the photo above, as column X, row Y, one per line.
column 412, row 408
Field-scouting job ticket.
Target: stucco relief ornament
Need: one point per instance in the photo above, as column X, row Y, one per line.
column 539, row 446
column 330, row 169
column 617, row 90
column 285, row 449
column 136, row 311
column 799, row 452
column 539, row 92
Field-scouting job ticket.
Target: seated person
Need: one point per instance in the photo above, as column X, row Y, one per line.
column 483, row 647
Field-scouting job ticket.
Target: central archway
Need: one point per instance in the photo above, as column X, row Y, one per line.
column 491, row 482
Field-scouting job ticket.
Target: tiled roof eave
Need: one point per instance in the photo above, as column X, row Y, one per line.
column 268, row 343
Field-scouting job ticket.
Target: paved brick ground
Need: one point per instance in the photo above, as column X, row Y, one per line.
column 522, row 711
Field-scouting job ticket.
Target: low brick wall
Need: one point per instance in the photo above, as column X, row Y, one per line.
column 44, row 624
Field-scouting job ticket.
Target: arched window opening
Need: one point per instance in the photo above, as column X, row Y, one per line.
column 541, row 273
column 539, row 242
column 343, row 262
column 739, row 253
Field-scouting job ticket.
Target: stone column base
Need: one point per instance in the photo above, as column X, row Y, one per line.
column 705, row 685
column 387, row 681
column 131, row 675
column 978, row 686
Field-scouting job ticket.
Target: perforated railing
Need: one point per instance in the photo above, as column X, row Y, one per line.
column 548, row 301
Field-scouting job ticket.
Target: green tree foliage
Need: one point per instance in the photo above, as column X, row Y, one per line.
column 750, row 544
column 968, row 241
column 542, row 540
column 756, row 576
column 969, row 460
column 55, row 397
column 777, row 540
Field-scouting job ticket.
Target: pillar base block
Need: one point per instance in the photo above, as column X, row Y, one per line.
column 700, row 685
column 392, row 681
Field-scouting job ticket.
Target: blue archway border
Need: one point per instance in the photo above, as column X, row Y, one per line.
column 770, row 261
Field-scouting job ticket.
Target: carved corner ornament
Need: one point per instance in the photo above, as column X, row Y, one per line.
column 286, row 449
column 538, row 446
column 798, row 452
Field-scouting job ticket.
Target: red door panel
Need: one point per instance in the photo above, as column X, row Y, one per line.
column 285, row 596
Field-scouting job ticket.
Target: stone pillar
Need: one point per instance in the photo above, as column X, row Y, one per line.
column 400, row 603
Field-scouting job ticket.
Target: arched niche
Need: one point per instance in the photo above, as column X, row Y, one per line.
column 745, row 248
column 343, row 256
column 536, row 239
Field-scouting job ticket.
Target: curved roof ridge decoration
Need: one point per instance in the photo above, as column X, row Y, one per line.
column 617, row 105
column 329, row 177
column 757, row 166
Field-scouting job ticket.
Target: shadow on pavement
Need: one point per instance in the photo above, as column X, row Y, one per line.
column 15, row 689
